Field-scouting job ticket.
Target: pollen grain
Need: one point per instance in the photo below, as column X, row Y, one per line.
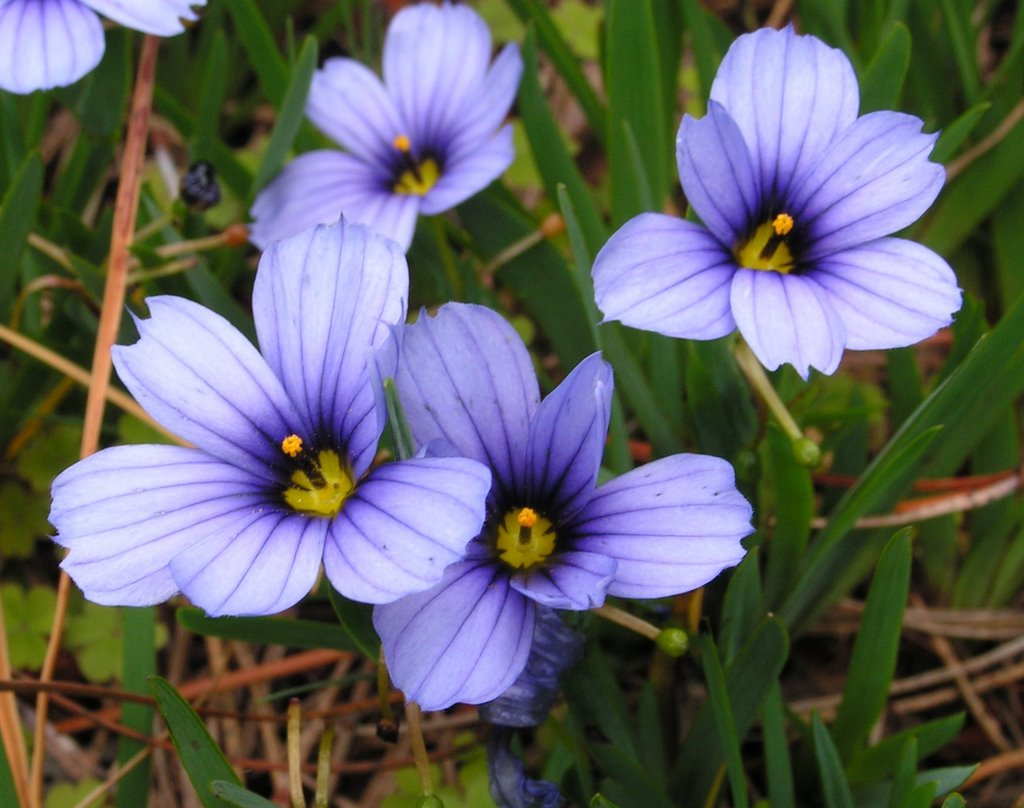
column 782, row 224
column 402, row 143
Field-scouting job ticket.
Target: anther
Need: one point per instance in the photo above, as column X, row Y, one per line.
column 527, row 517
column 782, row 224
column 402, row 143
column 292, row 445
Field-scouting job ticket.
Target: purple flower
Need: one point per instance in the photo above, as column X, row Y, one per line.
column 52, row 43
column 423, row 141
column 798, row 195
column 287, row 435
column 551, row 538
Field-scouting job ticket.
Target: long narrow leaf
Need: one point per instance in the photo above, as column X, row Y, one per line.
column 830, row 769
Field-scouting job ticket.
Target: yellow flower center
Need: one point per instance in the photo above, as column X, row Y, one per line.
column 767, row 248
column 321, row 488
column 418, row 176
column 525, row 538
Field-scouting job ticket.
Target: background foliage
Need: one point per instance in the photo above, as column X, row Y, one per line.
column 810, row 680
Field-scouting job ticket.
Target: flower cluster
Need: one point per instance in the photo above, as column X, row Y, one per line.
column 797, row 195
column 423, row 141
column 53, row 43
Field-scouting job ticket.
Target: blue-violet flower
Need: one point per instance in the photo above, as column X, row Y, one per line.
column 551, row 538
column 423, row 141
column 282, row 477
column 52, row 43
column 797, row 195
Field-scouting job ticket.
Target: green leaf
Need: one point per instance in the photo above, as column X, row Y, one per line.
column 972, row 196
column 833, row 781
column 920, row 797
column 211, row 100
column 631, row 62
column 17, row 216
column 201, row 757
column 553, row 161
column 599, row 801
column 267, row 630
column 873, row 661
column 138, row 663
column 954, row 135
column 290, row 115
column 356, row 621
column 8, row 794
column 879, row 761
column 954, row 801
column 790, row 496
column 882, row 83
column 234, row 794
column 743, row 608
column 776, row 750
column 536, row 12
column 748, row 680
column 258, row 41
column 903, row 781
column 721, row 709
column 957, row 16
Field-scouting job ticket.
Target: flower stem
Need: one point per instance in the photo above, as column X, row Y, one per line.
column 414, row 716
column 294, row 734
column 451, row 270
column 323, row 769
column 806, row 451
column 125, row 211
column 627, row 620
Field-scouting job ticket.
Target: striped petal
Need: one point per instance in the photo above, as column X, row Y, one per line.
column 790, row 96
column 465, row 640
column 201, row 379
column 47, row 43
column 663, row 274
column 160, row 17
column 465, row 376
column 889, row 293
column 323, row 301
column 404, row 524
column 787, row 319
column 671, row 525
column 127, row 512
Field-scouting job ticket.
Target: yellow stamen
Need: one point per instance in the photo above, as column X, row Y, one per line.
column 291, row 445
column 525, row 538
column 527, row 517
column 419, row 178
column 322, row 490
column 767, row 248
column 402, row 143
column 782, row 224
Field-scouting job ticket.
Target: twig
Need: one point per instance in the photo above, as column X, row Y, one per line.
column 932, row 507
column 80, row 375
column 960, row 164
column 125, row 209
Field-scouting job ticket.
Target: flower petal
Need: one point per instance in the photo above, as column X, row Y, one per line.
column 573, row 580
column 464, row 375
column 126, row 512
column 465, row 640
column 323, row 301
column 663, row 274
column 264, row 563
column 890, row 293
column 349, row 104
column 567, row 437
column 790, row 96
column 555, row 648
column 672, row 525
column 716, row 174
column 470, row 171
column 160, row 17
column 509, row 786
column 404, row 524
column 317, row 187
column 787, row 318
column 484, row 112
column 435, row 57
column 875, row 179
column 201, row 379
column 47, row 44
